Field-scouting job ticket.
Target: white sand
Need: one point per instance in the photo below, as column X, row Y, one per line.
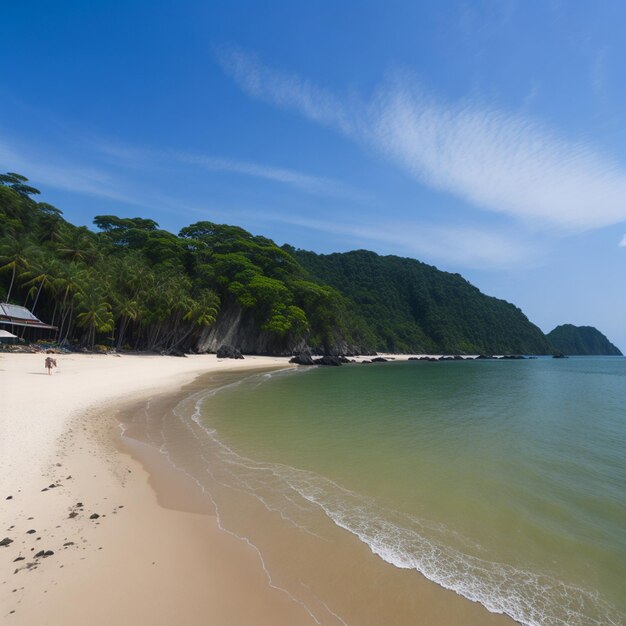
column 35, row 409
column 138, row 562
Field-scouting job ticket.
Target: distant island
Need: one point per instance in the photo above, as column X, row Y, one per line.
column 132, row 285
column 581, row 340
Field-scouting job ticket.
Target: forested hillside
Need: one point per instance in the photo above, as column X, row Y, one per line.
column 414, row 307
column 134, row 285
column 581, row 340
column 130, row 284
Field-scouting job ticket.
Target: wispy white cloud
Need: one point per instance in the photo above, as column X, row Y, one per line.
column 622, row 243
column 311, row 184
column 49, row 170
column 287, row 90
column 146, row 158
column 496, row 160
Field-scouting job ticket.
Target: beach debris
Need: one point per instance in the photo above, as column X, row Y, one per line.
column 31, row 531
column 44, row 554
column 19, row 558
column 73, row 514
column 5, row 542
column 68, row 543
column 94, row 516
column 79, row 505
column 9, row 498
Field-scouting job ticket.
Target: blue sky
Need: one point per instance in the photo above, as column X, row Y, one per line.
column 485, row 137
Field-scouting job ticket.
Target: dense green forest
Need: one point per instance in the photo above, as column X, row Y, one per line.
column 411, row 306
column 134, row 285
column 581, row 340
column 130, row 284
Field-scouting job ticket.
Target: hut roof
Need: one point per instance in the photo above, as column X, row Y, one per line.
column 5, row 334
column 15, row 315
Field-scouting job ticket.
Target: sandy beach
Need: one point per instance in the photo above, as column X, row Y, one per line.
column 98, row 537
column 138, row 562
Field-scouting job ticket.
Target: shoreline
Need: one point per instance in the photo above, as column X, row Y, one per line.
column 154, row 537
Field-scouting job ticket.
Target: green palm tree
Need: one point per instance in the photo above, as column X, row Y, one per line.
column 67, row 285
column 95, row 315
column 13, row 258
column 127, row 310
column 40, row 276
column 78, row 245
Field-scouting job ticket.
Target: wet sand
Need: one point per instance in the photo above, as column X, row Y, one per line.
column 333, row 575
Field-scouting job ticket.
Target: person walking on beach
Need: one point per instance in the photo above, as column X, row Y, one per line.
column 50, row 363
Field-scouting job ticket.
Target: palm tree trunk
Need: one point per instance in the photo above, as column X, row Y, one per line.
column 11, row 285
column 37, row 297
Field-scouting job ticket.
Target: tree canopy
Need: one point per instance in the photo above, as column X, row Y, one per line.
column 129, row 283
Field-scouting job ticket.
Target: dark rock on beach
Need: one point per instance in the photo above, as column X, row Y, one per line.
column 304, row 358
column 5, row 542
column 94, row 516
column 330, row 360
column 379, row 359
column 174, row 352
column 228, row 352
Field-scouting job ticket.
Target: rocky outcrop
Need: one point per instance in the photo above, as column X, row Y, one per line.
column 228, row 352
column 238, row 327
column 304, row 358
column 331, row 360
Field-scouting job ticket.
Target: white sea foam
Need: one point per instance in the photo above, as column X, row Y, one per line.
column 531, row 598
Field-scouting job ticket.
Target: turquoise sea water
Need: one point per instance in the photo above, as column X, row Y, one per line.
column 505, row 481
